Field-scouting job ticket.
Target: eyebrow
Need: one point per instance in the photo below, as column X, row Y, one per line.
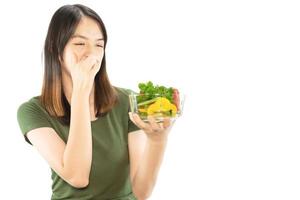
column 83, row 37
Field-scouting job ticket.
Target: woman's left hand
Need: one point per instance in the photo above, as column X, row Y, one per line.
column 157, row 132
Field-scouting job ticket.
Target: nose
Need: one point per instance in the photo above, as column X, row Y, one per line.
column 91, row 50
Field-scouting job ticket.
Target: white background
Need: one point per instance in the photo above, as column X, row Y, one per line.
column 237, row 62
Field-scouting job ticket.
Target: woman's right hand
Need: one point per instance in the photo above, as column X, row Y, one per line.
column 83, row 73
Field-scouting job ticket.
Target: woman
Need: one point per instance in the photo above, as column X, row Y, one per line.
column 80, row 123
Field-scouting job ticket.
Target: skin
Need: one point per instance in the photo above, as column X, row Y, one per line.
column 80, row 63
column 86, row 41
column 146, row 150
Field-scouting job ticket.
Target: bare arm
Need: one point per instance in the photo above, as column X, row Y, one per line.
column 71, row 161
column 146, row 151
column 77, row 157
column 145, row 159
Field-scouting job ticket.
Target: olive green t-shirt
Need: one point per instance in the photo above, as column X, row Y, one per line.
column 109, row 176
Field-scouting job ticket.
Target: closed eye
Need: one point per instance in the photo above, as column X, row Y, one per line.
column 81, row 44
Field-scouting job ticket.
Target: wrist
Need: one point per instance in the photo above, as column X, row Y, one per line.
column 80, row 92
column 79, row 97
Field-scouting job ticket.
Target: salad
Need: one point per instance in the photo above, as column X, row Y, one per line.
column 157, row 100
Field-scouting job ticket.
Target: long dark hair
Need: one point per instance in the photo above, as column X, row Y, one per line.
column 61, row 28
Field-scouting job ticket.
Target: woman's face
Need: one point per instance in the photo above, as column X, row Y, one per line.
column 87, row 40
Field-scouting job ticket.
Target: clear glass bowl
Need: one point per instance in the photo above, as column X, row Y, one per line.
column 158, row 106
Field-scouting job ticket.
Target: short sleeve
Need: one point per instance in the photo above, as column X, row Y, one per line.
column 131, row 126
column 30, row 117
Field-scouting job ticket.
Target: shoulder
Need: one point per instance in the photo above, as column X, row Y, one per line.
column 31, row 115
column 123, row 99
column 31, row 107
column 31, row 104
column 123, row 93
